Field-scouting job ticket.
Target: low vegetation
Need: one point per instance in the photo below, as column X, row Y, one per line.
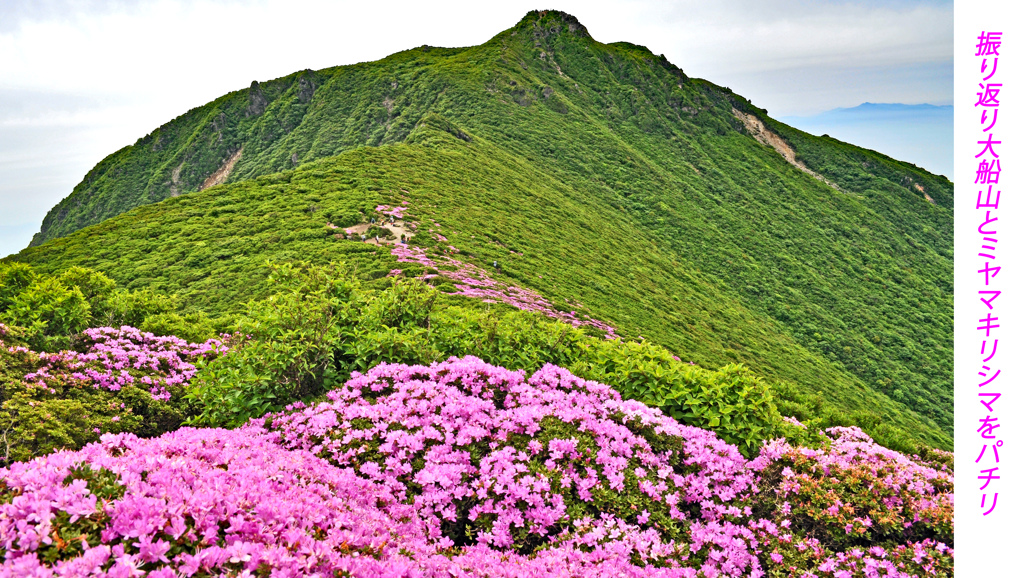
column 541, row 306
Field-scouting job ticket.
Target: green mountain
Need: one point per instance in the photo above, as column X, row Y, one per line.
column 598, row 175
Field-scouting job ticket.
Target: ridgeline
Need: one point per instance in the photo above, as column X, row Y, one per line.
column 600, row 176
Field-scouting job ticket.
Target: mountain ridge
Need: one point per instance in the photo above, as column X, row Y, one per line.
column 591, row 156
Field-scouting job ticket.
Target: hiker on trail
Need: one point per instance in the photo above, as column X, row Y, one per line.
column 376, row 239
column 392, row 218
column 364, row 238
column 495, row 264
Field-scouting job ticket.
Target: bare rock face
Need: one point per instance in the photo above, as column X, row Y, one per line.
column 257, row 102
column 768, row 138
column 306, row 86
column 574, row 25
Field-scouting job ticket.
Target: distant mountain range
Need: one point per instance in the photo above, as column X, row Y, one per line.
column 918, row 133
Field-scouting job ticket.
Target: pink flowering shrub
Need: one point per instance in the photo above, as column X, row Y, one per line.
column 491, row 457
column 396, row 212
column 199, row 502
column 467, row 469
column 855, row 508
column 473, row 281
column 120, row 380
column 118, row 358
column 234, row 503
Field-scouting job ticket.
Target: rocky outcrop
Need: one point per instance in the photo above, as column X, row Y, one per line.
column 307, row 86
column 257, row 102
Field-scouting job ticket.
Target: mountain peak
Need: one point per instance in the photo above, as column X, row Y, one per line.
column 552, row 22
column 594, row 176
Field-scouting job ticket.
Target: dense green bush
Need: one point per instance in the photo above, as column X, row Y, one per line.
column 321, row 327
column 284, row 349
column 732, row 401
column 194, row 327
column 51, row 309
column 14, row 278
column 50, row 312
column 134, row 307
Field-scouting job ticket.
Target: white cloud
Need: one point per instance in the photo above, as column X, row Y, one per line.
column 770, row 34
column 187, row 45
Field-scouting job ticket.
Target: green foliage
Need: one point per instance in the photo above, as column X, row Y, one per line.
column 192, row 327
column 284, row 349
column 817, row 412
column 134, row 307
column 299, row 343
column 404, row 304
column 49, row 311
column 512, row 339
column 321, row 326
column 599, row 175
column 14, row 278
column 732, row 401
column 95, row 286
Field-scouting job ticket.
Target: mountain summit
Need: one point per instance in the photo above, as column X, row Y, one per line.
column 597, row 179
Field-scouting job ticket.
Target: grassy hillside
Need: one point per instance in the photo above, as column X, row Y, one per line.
column 594, row 173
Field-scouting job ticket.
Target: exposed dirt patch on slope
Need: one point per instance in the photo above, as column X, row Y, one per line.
column 398, row 229
column 221, row 175
column 176, row 180
column 927, row 197
column 767, row 137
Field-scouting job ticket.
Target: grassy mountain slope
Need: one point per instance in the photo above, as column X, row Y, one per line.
column 625, row 185
column 209, row 247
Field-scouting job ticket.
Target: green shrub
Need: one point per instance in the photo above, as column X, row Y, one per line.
column 49, row 311
column 95, row 286
column 192, row 327
column 321, row 327
column 732, row 401
column 14, row 278
column 133, row 307
column 284, row 349
column 52, row 308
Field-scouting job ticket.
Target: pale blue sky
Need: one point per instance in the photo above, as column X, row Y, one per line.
column 81, row 78
column 920, row 134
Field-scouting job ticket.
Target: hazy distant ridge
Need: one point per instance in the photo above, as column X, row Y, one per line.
column 918, row 133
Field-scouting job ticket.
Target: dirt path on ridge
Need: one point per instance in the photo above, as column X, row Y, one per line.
column 398, row 228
